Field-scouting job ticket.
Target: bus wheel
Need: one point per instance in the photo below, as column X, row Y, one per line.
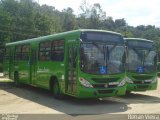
column 16, row 79
column 128, row 92
column 56, row 90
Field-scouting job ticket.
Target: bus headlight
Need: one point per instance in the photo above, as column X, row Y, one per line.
column 154, row 80
column 128, row 80
column 85, row 83
column 122, row 83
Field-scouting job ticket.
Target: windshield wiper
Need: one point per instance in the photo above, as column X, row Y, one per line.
column 97, row 46
column 113, row 48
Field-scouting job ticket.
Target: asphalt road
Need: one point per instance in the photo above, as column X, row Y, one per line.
column 29, row 100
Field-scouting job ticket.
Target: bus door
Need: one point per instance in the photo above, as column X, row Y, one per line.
column 22, row 62
column 71, row 69
column 33, row 66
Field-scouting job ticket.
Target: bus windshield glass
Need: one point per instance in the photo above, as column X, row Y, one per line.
column 99, row 58
column 141, row 59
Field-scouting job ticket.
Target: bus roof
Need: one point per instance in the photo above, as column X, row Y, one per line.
column 137, row 39
column 57, row 35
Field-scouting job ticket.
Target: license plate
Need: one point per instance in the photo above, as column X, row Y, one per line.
column 113, row 83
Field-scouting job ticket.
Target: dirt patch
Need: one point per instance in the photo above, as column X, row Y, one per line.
column 27, row 100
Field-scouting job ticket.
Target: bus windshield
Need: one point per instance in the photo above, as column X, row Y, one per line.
column 141, row 60
column 99, row 58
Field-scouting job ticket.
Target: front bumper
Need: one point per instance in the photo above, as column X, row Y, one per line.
column 99, row 93
column 141, row 87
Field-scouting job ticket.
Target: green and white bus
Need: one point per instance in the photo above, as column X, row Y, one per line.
column 140, row 65
column 80, row 63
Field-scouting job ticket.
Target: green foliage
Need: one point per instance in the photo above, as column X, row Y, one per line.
column 23, row 19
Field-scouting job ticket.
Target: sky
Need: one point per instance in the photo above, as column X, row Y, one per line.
column 135, row 12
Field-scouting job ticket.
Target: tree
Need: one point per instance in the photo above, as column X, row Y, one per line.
column 120, row 23
column 23, row 19
column 92, row 16
column 69, row 20
column 108, row 23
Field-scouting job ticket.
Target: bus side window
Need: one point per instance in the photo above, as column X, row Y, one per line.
column 25, row 52
column 17, row 53
column 58, row 50
column 22, row 52
column 45, row 51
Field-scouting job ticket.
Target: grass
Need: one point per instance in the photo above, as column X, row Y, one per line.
column 5, row 80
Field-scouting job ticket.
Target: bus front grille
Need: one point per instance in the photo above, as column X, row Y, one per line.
column 105, row 91
column 103, row 86
column 140, row 77
column 141, row 82
column 105, row 80
column 142, row 86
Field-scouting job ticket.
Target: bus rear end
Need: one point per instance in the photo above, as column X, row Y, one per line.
column 141, row 65
column 101, row 70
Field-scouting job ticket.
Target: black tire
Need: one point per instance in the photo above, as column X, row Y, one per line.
column 16, row 79
column 128, row 92
column 56, row 90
